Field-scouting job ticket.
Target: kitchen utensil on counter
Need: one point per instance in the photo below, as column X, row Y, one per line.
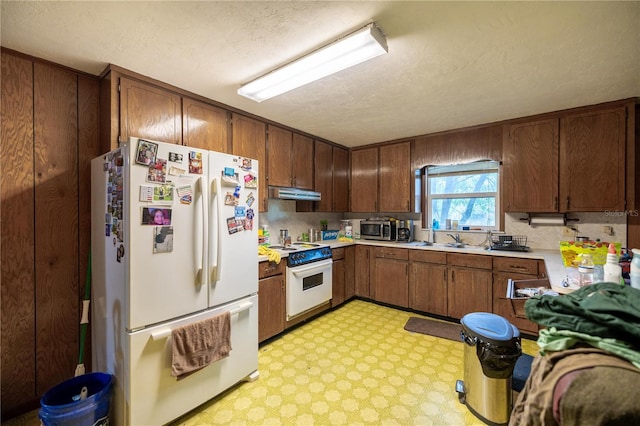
column 284, row 233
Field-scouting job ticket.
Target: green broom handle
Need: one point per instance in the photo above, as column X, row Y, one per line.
column 85, row 312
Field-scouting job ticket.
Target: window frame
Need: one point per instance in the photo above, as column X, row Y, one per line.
column 476, row 167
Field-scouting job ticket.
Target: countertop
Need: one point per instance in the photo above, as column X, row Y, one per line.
column 552, row 258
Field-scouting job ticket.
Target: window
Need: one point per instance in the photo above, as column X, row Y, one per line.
column 463, row 193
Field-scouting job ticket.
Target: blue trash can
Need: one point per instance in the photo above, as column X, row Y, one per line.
column 61, row 405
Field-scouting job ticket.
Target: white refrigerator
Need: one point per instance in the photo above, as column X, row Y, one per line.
column 174, row 237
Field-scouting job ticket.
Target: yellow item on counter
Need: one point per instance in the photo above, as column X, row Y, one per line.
column 273, row 255
column 345, row 239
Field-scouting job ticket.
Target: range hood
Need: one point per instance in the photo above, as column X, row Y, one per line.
column 293, row 194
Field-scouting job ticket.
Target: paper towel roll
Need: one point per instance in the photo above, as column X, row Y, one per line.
column 547, row 221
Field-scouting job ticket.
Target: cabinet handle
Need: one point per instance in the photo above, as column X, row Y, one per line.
column 444, row 275
column 517, row 267
column 568, row 202
column 555, row 202
column 453, row 276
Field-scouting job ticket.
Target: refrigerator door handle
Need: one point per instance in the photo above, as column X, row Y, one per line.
column 215, row 269
column 166, row 332
column 200, row 280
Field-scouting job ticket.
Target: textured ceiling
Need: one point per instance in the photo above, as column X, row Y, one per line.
column 450, row 64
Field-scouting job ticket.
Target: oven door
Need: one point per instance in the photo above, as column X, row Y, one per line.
column 308, row 286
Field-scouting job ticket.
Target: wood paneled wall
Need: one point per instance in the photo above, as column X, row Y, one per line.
column 49, row 135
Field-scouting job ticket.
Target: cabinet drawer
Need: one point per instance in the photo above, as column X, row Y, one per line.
column 337, row 253
column 469, row 260
column 392, row 253
column 515, row 264
column 269, row 269
column 428, row 256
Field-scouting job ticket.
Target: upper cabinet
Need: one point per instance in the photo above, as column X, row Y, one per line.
column 572, row 163
column 149, row 112
column 381, row 179
column 205, row 126
column 249, row 140
column 290, row 159
column 323, row 177
column 340, row 179
column 592, row 160
column 531, row 155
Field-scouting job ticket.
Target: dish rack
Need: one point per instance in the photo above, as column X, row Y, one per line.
column 509, row 242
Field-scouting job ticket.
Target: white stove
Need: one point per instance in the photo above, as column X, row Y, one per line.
column 309, row 276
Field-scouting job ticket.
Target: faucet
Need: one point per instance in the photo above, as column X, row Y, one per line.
column 456, row 238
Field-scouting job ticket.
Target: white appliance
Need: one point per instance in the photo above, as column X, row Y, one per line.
column 174, row 233
column 309, row 277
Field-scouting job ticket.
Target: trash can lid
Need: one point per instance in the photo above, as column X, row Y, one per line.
column 489, row 327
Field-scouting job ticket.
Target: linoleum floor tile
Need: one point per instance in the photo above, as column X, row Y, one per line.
column 353, row 366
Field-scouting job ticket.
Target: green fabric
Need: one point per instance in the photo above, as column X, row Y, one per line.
column 553, row 340
column 604, row 310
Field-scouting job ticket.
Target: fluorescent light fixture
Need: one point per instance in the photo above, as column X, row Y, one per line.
column 358, row 47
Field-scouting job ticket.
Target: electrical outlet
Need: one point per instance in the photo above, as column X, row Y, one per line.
column 608, row 230
column 568, row 232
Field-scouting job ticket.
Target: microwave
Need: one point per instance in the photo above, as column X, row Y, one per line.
column 384, row 230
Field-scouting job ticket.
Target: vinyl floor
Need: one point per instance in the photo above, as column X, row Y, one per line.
column 353, row 366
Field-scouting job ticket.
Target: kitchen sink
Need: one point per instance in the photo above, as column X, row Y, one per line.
column 455, row 245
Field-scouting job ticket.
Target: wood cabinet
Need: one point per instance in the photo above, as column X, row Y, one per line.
column 340, row 196
column 391, row 276
column 592, row 160
column 505, row 268
column 395, row 178
column 205, row 126
column 469, row 284
column 364, row 180
column 364, row 258
column 149, row 112
column 271, row 299
column 338, row 277
column 381, row 179
column 428, row 281
column 577, row 162
column 531, row 155
column 290, row 159
column 249, row 140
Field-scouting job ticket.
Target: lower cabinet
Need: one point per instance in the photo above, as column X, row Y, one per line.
column 505, row 268
column 428, row 282
column 469, row 284
column 363, row 270
column 271, row 299
column 343, row 275
column 391, row 276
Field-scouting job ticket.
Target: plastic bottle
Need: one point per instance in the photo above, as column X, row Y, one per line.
column 265, row 234
column 585, row 270
column 612, row 269
column 635, row 269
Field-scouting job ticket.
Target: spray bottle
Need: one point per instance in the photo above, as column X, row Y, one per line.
column 635, row 269
column 612, row 269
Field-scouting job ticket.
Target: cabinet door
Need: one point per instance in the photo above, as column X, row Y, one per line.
column 338, row 281
column 249, row 140
column 469, row 290
column 592, row 160
column 149, row 112
column 324, row 176
column 428, row 288
column 531, row 167
column 302, row 160
column 395, row 175
column 340, row 179
column 349, row 273
column 362, row 270
column 204, row 126
column 391, row 282
column 280, row 166
column 364, row 180
column 271, row 310
column 502, row 306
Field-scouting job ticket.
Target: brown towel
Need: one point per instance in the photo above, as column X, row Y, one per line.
column 197, row 345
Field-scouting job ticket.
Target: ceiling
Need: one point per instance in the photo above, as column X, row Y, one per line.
column 450, row 64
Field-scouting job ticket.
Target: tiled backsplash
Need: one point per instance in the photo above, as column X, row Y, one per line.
column 282, row 215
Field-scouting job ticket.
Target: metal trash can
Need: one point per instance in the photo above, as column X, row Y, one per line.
column 491, row 349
